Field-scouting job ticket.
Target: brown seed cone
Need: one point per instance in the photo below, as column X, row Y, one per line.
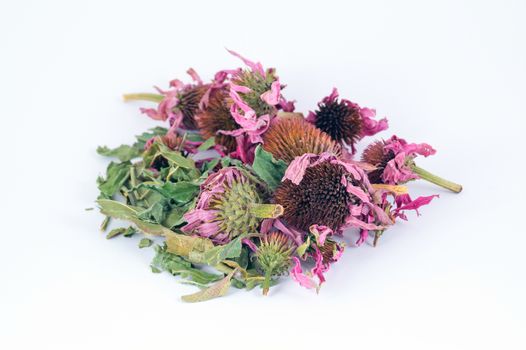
column 292, row 136
column 216, row 116
column 375, row 154
column 341, row 121
column 189, row 104
column 320, row 198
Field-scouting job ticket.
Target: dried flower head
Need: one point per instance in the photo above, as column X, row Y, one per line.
column 256, row 97
column 394, row 162
column 323, row 190
column 215, row 117
column 178, row 105
column 291, row 136
column 273, row 256
column 229, row 205
column 345, row 121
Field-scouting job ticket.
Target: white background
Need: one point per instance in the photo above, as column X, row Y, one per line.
column 450, row 73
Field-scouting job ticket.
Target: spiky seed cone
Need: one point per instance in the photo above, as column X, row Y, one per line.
column 233, row 208
column 292, row 136
column 320, row 198
column 258, row 85
column 375, row 154
column 273, row 256
column 340, row 120
column 216, row 116
column 189, row 104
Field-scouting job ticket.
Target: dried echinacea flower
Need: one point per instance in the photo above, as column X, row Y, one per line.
column 394, row 162
column 323, row 190
column 215, row 117
column 256, row 97
column 290, row 136
column 229, row 205
column 178, row 105
column 345, row 121
column 273, row 256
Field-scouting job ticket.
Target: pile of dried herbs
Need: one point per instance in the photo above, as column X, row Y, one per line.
column 240, row 189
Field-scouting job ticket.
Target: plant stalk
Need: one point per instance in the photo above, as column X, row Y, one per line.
column 143, row 97
column 437, row 180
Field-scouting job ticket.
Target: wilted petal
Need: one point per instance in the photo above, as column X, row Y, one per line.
column 298, row 275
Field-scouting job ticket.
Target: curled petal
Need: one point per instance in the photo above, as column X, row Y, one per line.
column 320, row 232
column 195, row 77
column 256, row 67
column 271, row 97
column 298, row 275
column 296, row 169
column 407, row 204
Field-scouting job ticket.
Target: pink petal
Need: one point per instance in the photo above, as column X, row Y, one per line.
column 194, row 75
column 320, row 232
column 298, row 275
column 296, row 169
column 256, row 67
column 272, row 96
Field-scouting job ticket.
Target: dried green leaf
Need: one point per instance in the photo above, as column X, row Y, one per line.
column 115, row 232
column 116, row 175
column 123, row 152
column 217, row 254
column 192, row 248
column 122, row 211
column 209, row 143
column 267, row 168
column 218, row 289
column 145, row 243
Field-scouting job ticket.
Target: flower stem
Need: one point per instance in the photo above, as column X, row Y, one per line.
column 437, row 180
column 143, row 97
column 266, row 282
column 266, row 211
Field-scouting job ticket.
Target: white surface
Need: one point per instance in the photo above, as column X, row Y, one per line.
column 450, row 73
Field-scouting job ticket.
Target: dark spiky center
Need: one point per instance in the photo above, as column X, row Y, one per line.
column 189, row 104
column 376, row 154
column 320, row 198
column 290, row 137
column 340, row 121
column 216, row 116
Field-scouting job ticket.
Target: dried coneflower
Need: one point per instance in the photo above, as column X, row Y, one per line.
column 323, row 190
column 290, row 136
column 215, row 117
column 345, row 121
column 177, row 105
column 273, row 256
column 394, row 162
column 229, row 205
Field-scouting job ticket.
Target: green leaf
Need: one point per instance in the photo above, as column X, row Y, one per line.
column 177, row 265
column 145, row 243
column 207, row 144
column 267, row 168
column 130, row 231
column 155, row 214
column 182, row 191
column 218, row 289
column 217, row 254
column 175, row 157
column 116, row 175
column 115, row 232
column 124, row 152
column 145, row 136
column 192, row 248
column 122, row 211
